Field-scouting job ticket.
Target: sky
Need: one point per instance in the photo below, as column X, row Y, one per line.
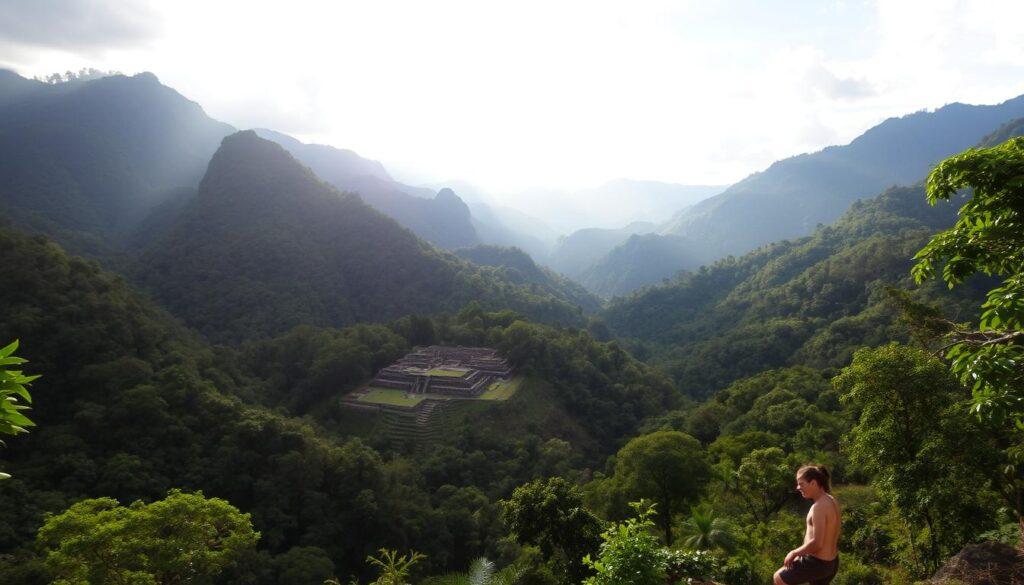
column 557, row 94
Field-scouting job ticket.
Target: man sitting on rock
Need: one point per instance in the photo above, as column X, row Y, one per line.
column 817, row 560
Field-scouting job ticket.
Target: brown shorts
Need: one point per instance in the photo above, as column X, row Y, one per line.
column 808, row 569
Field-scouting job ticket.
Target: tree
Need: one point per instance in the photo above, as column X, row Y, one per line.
column 482, row 571
column 184, row 538
column 13, row 393
column 394, row 569
column 551, row 515
column 923, row 451
column 630, row 554
column 668, row 467
column 987, row 238
column 706, row 531
column 765, row 482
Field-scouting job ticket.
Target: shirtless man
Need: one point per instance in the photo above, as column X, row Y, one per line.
column 817, row 560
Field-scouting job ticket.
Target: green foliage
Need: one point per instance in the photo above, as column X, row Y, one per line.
column 183, row 538
column 303, row 565
column 520, row 268
column 764, row 480
column 668, row 467
column 551, row 515
column 14, row 396
column 690, row 564
column 703, row 530
column 629, row 553
column 988, row 237
column 924, row 453
column 394, row 569
column 482, row 571
column 136, row 405
column 852, row 572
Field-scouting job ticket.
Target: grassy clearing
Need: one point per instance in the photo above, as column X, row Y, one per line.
column 502, row 389
column 390, row 396
column 446, row 373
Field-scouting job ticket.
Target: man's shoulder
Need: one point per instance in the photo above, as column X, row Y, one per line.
column 828, row 505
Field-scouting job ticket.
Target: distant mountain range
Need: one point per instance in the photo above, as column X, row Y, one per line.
column 441, row 218
column 641, row 260
column 577, row 252
column 808, row 301
column 794, row 196
column 105, row 166
column 265, row 246
column 86, row 161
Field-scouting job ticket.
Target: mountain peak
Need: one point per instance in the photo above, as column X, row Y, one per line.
column 247, row 144
column 146, row 77
column 447, row 194
column 265, row 168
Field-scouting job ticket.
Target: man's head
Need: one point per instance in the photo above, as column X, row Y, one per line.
column 812, row 481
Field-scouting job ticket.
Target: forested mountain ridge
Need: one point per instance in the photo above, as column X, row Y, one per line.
column 790, row 198
column 640, row 261
column 86, row 160
column 811, row 301
column 793, row 196
column 578, row 251
column 523, row 270
column 97, row 162
column 442, row 219
column 265, row 246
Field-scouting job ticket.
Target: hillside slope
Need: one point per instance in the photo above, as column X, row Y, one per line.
column 811, row 301
column 442, row 219
column 265, row 246
column 521, row 269
column 85, row 161
column 640, row 261
column 793, row 196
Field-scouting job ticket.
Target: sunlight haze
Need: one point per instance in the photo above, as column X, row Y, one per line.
column 509, row 96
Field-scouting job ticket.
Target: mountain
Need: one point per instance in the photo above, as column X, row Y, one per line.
column 500, row 225
column 521, row 269
column 442, row 218
column 793, row 196
column 86, row 161
column 642, row 260
column 810, row 301
column 265, row 245
column 334, row 165
column 1005, row 132
column 580, row 250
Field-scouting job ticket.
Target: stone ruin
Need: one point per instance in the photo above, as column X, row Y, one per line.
column 467, row 371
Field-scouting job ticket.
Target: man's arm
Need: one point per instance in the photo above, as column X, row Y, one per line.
column 816, row 542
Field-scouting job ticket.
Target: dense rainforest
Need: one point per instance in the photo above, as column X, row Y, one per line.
column 187, row 425
column 134, row 404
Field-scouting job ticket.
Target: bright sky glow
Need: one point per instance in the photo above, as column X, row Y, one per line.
column 565, row 94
